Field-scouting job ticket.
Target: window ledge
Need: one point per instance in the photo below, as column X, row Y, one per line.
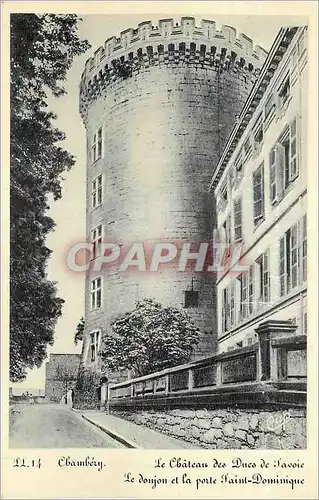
column 285, row 192
column 96, row 161
column 95, row 208
column 258, row 223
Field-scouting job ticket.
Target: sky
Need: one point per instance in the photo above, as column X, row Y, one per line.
column 69, row 212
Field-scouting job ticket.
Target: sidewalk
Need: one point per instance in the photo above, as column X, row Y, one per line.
column 133, row 435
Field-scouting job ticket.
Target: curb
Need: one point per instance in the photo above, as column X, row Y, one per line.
column 112, row 434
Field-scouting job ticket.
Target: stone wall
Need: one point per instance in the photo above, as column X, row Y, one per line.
column 229, row 428
column 60, row 375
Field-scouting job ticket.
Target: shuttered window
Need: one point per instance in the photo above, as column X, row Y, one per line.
column 284, row 161
column 304, row 249
column 251, row 288
column 224, row 309
column 232, row 304
column 243, row 295
column 258, row 194
column 293, row 257
column 273, row 175
column 293, row 159
column 263, row 278
column 238, row 219
column 266, row 281
column 282, row 265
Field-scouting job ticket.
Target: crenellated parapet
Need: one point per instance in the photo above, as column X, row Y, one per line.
column 168, row 44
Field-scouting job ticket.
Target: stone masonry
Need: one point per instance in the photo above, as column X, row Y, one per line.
column 167, row 98
column 60, row 375
column 229, row 428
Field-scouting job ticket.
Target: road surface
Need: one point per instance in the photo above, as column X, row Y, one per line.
column 54, row 426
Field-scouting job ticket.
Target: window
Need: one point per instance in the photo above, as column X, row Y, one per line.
column 225, row 310
column 263, row 278
column 273, row 175
column 96, row 293
column 293, row 257
column 96, row 238
column 228, row 307
column 258, row 194
column 94, row 344
column 191, row 298
column 238, row 219
column 284, row 91
column 97, row 191
column 227, row 231
column 258, row 132
column 243, row 279
column 293, row 163
column 304, row 248
column 283, row 161
column 97, row 145
column 232, row 304
column 251, row 289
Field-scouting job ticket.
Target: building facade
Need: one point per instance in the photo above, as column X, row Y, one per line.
column 61, row 373
column 260, row 185
column 158, row 105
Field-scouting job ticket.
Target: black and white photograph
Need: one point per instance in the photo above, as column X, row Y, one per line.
column 158, row 231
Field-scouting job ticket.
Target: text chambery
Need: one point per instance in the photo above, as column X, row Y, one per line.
column 87, row 462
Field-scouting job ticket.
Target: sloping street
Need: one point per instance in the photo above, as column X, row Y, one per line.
column 54, row 426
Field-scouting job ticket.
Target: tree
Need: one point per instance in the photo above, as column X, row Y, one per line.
column 42, row 51
column 79, row 332
column 149, row 338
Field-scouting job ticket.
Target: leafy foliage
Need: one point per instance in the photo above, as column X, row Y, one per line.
column 79, row 332
column 86, row 387
column 42, row 51
column 149, row 338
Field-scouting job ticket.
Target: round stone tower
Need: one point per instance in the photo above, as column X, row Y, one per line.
column 158, row 104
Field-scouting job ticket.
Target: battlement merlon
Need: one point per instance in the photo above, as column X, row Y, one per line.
column 167, row 32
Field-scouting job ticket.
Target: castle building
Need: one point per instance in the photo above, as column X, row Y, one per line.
column 158, row 104
column 260, row 186
column 60, row 375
